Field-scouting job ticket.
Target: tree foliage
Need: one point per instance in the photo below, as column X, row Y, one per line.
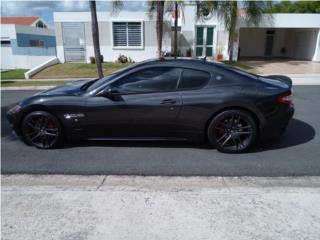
column 295, row 7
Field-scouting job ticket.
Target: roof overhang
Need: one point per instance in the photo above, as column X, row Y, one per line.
column 285, row 20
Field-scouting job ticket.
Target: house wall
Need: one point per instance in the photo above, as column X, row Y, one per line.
column 6, row 57
column 189, row 23
column 316, row 56
column 105, row 19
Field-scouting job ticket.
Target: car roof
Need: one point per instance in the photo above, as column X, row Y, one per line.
column 179, row 62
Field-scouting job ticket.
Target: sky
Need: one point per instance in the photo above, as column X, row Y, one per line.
column 45, row 8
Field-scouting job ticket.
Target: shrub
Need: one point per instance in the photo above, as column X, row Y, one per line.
column 122, row 59
column 93, row 59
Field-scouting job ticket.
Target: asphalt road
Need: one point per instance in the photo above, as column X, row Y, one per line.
column 296, row 153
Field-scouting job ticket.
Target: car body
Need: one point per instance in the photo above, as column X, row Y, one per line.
column 161, row 99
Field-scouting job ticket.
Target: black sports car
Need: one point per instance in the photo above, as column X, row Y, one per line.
column 160, row 100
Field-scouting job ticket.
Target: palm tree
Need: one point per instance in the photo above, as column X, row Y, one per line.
column 175, row 48
column 229, row 10
column 177, row 8
column 158, row 8
column 95, row 37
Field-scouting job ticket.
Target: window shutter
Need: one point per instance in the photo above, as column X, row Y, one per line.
column 127, row 34
column 134, row 34
column 119, row 34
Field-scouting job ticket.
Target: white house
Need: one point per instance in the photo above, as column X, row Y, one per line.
column 25, row 42
column 133, row 34
column 130, row 33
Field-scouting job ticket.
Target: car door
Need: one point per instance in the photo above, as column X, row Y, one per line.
column 107, row 117
column 151, row 100
column 197, row 100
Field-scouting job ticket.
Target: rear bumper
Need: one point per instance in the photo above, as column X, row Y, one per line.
column 278, row 124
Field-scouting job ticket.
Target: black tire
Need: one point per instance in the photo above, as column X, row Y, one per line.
column 233, row 131
column 42, row 130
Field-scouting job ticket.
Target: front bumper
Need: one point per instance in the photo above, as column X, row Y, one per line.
column 277, row 124
column 14, row 124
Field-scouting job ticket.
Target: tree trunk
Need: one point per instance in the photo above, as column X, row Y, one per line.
column 230, row 46
column 232, row 28
column 160, row 9
column 95, row 37
column 175, row 29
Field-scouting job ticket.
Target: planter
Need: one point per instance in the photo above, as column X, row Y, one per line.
column 189, row 53
column 220, row 57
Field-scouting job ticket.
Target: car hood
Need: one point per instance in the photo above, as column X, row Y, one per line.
column 72, row 88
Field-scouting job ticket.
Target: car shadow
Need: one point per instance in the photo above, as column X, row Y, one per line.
column 137, row 143
column 298, row 132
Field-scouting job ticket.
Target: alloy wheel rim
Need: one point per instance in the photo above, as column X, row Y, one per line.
column 41, row 131
column 233, row 132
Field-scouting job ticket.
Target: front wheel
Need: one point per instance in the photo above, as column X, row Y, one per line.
column 42, row 130
column 233, row 131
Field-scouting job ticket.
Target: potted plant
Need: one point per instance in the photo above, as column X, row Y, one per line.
column 189, row 52
column 220, row 54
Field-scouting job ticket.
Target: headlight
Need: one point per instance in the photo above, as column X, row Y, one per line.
column 15, row 109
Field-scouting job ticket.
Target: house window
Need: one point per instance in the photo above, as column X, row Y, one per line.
column 5, row 43
column 204, row 41
column 36, row 43
column 127, row 34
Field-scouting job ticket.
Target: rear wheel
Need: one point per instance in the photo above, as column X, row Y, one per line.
column 42, row 130
column 232, row 131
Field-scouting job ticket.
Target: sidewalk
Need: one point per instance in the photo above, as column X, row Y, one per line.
column 128, row 207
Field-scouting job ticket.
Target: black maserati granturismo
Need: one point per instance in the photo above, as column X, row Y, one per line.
column 160, row 100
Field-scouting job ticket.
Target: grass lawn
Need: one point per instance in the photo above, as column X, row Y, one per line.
column 11, row 83
column 77, row 70
column 241, row 66
column 13, row 74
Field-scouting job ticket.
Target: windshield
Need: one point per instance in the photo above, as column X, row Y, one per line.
column 110, row 77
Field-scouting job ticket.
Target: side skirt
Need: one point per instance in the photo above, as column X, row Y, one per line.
column 137, row 139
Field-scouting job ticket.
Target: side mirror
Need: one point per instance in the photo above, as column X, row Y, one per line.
column 109, row 93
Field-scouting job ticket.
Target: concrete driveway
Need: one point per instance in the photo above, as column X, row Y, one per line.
column 283, row 66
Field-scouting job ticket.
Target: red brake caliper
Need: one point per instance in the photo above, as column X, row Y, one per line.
column 51, row 125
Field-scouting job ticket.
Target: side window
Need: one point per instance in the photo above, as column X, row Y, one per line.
column 159, row 79
column 193, row 79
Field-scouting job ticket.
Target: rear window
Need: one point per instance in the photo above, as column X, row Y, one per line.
column 191, row 79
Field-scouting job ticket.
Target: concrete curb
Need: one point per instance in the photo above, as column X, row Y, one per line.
column 134, row 183
column 29, row 88
column 46, row 79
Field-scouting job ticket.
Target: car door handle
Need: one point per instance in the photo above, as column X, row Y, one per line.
column 168, row 101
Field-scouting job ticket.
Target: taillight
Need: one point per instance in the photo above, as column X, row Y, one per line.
column 285, row 98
